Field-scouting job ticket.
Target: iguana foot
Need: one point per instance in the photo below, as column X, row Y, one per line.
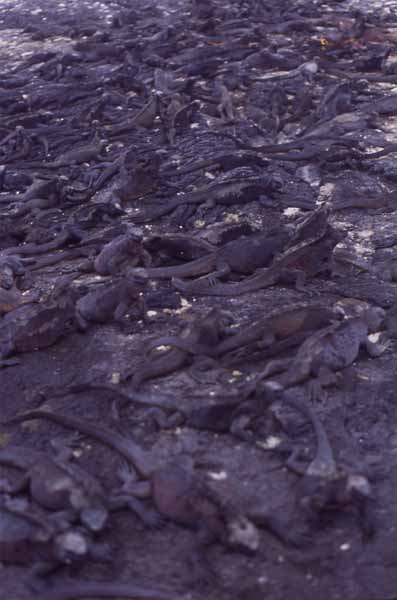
column 315, row 391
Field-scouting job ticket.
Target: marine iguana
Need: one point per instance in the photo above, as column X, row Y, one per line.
column 71, row 157
column 30, row 328
column 307, row 259
column 282, row 329
column 202, row 332
column 104, row 304
column 227, row 192
column 115, row 254
column 243, row 255
column 327, row 351
column 226, row 162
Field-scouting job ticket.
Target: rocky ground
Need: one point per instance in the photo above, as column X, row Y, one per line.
column 334, row 559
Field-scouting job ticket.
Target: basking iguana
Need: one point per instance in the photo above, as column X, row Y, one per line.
column 327, row 351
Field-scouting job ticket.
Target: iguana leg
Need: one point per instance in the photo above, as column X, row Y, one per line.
column 139, row 489
column 315, row 390
column 325, row 377
column 299, row 278
column 293, row 462
column 222, row 270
